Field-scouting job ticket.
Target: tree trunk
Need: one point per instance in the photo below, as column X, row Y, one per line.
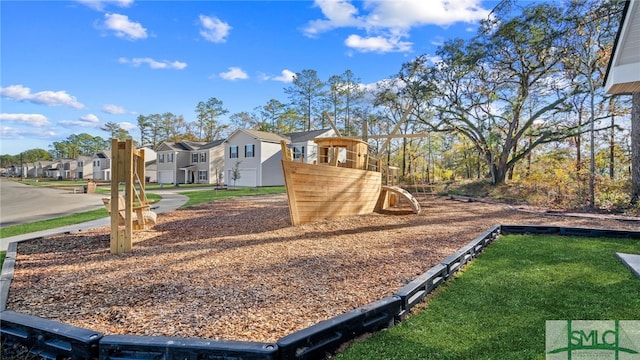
column 612, row 147
column 635, row 149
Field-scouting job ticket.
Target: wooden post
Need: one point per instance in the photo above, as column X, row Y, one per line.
column 121, row 171
column 115, row 175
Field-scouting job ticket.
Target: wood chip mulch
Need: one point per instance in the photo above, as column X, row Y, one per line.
column 237, row 269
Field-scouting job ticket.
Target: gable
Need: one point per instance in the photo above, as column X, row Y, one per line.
column 623, row 73
column 306, row 136
column 242, row 135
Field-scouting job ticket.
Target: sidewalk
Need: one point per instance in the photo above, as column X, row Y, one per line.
column 169, row 202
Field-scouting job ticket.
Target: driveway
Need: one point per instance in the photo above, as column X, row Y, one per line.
column 20, row 203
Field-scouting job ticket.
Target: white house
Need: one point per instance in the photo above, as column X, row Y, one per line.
column 252, row 158
column 84, row 167
column 303, row 146
column 188, row 162
column 623, row 77
column 623, row 73
column 101, row 165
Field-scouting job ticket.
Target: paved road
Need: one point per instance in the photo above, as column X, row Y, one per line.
column 20, row 203
column 25, row 203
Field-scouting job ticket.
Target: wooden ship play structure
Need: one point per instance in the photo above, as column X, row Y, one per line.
column 343, row 181
column 128, row 211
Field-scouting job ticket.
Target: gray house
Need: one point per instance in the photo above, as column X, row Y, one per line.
column 303, row 146
column 190, row 162
column 254, row 157
column 84, row 167
column 101, row 165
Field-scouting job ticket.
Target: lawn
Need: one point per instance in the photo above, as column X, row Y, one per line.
column 202, row 196
column 497, row 307
column 61, row 221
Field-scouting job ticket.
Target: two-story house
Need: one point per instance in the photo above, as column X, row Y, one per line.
column 101, row 165
column 253, row 158
column 84, row 167
column 303, row 147
column 188, row 162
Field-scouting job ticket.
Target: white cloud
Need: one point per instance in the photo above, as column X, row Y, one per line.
column 214, row 29
column 89, row 120
column 51, row 98
column 127, row 126
column 9, row 133
column 153, row 64
column 234, row 73
column 35, row 120
column 386, row 22
column 339, row 13
column 286, row 76
column 405, row 14
column 101, row 4
column 377, row 44
column 113, row 109
column 124, row 28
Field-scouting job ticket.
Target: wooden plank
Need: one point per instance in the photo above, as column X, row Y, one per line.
column 128, row 193
column 114, row 198
column 317, row 192
column 415, row 205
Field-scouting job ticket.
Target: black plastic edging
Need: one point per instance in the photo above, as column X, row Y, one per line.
column 123, row 347
column 568, row 231
column 415, row 291
column 48, row 338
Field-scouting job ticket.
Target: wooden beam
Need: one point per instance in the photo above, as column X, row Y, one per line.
column 333, row 126
column 396, row 128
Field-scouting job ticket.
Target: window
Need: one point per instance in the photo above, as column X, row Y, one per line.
column 233, row 152
column 248, row 150
column 298, row 152
column 80, row 163
column 161, row 158
column 194, row 158
column 170, row 157
column 202, row 175
column 203, row 157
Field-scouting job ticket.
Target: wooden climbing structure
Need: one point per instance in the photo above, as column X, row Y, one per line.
column 129, row 211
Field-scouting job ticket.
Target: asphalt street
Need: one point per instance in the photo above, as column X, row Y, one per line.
column 20, row 203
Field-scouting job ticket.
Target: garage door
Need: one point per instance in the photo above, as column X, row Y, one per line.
column 165, row 177
column 247, row 178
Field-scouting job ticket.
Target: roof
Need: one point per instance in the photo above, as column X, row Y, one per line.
column 187, row 145
column 212, row 144
column 261, row 135
column 104, row 154
column 304, row 136
column 623, row 70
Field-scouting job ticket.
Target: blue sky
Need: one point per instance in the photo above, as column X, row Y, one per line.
column 68, row 67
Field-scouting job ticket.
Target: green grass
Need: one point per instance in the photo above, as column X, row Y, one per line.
column 52, row 223
column 61, row 221
column 497, row 307
column 203, row 196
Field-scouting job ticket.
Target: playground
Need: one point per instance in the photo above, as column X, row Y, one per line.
column 237, row 270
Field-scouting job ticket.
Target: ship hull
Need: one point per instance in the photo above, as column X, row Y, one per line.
column 320, row 192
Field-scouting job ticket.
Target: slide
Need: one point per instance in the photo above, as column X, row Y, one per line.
column 404, row 193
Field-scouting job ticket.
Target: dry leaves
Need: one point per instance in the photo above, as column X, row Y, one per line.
column 236, row 269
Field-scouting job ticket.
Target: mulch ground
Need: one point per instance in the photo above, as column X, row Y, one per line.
column 237, row 269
